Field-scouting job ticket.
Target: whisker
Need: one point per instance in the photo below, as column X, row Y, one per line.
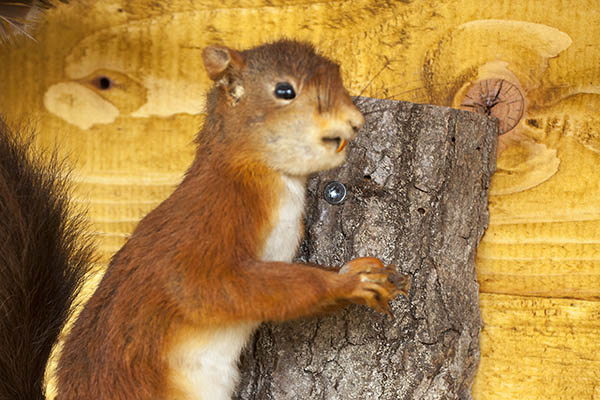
column 385, row 65
column 376, row 111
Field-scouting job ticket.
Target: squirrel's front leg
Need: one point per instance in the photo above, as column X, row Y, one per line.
column 282, row 291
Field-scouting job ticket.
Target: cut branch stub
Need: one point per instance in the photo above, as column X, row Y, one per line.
column 417, row 179
column 498, row 98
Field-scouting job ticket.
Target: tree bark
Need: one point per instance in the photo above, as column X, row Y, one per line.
column 417, row 179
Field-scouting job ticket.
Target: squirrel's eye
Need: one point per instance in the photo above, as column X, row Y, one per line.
column 284, row 90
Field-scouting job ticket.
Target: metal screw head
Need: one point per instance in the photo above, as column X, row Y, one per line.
column 335, row 192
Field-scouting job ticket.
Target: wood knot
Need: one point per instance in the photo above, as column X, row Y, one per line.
column 498, row 98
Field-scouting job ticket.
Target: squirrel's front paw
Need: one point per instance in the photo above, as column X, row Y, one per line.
column 376, row 284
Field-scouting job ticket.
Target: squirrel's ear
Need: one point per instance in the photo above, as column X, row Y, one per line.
column 217, row 59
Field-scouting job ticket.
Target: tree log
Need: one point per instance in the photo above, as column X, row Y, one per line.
column 417, row 181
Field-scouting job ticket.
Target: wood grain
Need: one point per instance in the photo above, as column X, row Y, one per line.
column 538, row 348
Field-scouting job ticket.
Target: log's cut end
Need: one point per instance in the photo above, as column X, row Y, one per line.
column 498, row 98
column 416, row 182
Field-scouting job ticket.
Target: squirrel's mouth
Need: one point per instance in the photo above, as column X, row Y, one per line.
column 337, row 141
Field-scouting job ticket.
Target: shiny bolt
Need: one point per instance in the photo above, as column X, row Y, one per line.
column 335, row 192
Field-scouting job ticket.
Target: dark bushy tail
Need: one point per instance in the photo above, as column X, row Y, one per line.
column 43, row 261
column 18, row 16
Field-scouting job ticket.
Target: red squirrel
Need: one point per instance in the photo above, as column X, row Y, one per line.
column 200, row 272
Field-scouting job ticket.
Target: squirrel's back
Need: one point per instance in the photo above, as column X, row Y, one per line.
column 43, row 260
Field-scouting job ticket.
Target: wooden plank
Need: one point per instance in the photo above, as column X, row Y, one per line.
column 538, row 348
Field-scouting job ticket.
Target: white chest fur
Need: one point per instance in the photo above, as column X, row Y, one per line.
column 283, row 241
column 206, row 365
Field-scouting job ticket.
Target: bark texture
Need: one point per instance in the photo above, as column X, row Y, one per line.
column 417, row 179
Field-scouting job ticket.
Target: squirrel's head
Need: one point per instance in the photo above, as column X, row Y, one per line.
column 281, row 104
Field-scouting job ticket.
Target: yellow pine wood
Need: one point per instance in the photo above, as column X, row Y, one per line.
column 538, row 264
column 538, row 348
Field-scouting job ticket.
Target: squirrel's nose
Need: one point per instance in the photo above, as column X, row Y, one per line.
column 355, row 118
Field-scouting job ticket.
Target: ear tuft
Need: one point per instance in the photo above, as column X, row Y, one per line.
column 217, row 59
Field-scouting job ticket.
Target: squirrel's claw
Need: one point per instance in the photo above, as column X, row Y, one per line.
column 375, row 287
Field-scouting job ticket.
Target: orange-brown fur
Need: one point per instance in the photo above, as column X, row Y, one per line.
column 194, row 262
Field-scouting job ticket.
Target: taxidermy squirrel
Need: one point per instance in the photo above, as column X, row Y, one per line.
column 201, row 271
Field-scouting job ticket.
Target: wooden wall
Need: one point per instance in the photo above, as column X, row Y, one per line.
column 538, row 264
